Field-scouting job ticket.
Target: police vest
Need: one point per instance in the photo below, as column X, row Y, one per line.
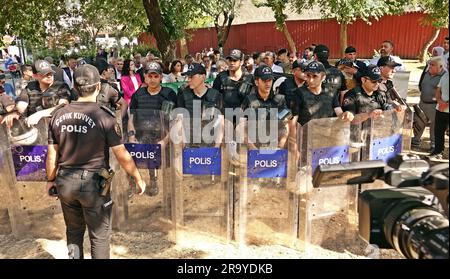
column 229, row 87
column 315, row 106
column 366, row 104
column 105, row 96
column 333, row 79
column 209, row 100
column 39, row 100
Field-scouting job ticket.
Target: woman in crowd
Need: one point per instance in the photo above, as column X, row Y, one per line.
column 130, row 81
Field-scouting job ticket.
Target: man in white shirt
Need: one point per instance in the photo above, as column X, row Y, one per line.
column 269, row 60
column 387, row 48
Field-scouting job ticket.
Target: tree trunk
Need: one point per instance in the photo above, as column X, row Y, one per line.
column 224, row 30
column 424, row 51
column 163, row 41
column 343, row 38
column 289, row 38
column 183, row 47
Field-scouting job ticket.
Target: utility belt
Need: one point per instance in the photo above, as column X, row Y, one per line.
column 103, row 176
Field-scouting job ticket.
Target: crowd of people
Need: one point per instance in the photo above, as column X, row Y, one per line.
column 299, row 87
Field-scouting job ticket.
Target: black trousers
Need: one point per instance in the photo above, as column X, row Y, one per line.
column 82, row 207
column 439, row 131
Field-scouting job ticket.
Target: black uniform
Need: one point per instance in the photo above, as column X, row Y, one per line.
column 84, row 132
column 357, row 101
column 308, row 105
column 385, row 89
column 38, row 100
column 211, row 99
column 234, row 92
column 146, row 108
column 289, row 88
column 109, row 95
column 334, row 79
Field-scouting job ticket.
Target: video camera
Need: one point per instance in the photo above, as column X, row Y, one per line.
column 411, row 216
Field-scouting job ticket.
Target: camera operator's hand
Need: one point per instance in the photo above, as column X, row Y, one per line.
column 378, row 113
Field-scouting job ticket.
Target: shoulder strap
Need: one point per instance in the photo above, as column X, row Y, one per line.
column 108, row 111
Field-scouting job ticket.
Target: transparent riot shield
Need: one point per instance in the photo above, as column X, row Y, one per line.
column 387, row 136
column 266, row 204
column 148, row 148
column 39, row 213
column 202, row 190
column 327, row 215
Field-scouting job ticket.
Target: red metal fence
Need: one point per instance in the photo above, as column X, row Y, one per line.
column 405, row 31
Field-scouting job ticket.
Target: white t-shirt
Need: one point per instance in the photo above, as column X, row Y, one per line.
column 277, row 69
column 135, row 82
column 443, row 85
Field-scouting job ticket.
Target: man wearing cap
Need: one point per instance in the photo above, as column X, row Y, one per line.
column 290, row 84
column 387, row 67
column 42, row 95
column 109, row 93
column 386, row 49
column 263, row 97
column 316, row 100
column 350, row 71
column 59, row 73
column 334, row 78
column 144, row 125
column 350, row 54
column 234, row 84
column 366, row 101
column 85, row 127
column 198, row 94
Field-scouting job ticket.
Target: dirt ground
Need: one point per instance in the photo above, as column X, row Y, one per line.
column 150, row 236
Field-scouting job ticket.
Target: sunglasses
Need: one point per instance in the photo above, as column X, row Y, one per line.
column 373, row 81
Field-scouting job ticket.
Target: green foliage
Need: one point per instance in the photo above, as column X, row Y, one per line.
column 277, row 6
column 347, row 11
column 436, row 10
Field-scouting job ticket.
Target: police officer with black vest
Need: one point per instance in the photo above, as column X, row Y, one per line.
column 334, row 78
column 263, row 97
column 366, row 101
column 144, row 126
column 234, row 84
column 199, row 100
column 42, row 95
column 292, row 83
column 109, row 93
column 388, row 67
column 79, row 139
column 316, row 100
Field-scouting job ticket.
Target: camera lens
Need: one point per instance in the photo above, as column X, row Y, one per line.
column 417, row 230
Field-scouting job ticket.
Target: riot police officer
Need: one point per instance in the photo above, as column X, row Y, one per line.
column 144, row 126
column 42, row 95
column 79, row 177
column 199, row 101
column 334, row 78
column 316, row 100
column 109, row 93
column 263, row 97
column 291, row 83
column 234, row 84
column 388, row 67
column 366, row 101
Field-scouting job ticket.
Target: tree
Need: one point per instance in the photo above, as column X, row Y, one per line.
column 278, row 7
column 347, row 11
column 437, row 16
column 222, row 14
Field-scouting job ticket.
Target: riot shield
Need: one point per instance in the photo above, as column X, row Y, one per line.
column 266, row 204
column 387, row 136
column 202, row 190
column 327, row 215
column 40, row 214
column 148, row 148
